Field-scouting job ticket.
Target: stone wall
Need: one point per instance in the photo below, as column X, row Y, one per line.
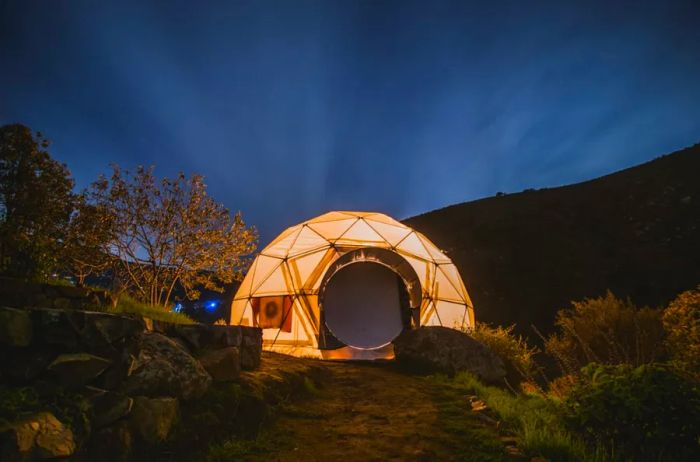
column 19, row 293
column 97, row 380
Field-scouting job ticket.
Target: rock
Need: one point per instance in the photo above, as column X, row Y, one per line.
column 38, row 437
column 250, row 358
column 101, row 329
column 153, row 418
column 22, row 365
column 62, row 304
column 164, row 368
column 77, row 369
column 73, row 292
column 15, row 327
column 223, row 365
column 193, row 336
column 441, row 349
column 251, row 348
column 199, row 336
column 123, row 365
column 71, row 328
column 110, row 407
column 54, row 327
column 111, row 444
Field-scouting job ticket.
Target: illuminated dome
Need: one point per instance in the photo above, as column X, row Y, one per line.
column 345, row 284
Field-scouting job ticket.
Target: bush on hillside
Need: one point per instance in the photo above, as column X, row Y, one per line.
column 516, row 354
column 681, row 322
column 645, row 413
column 606, row 330
column 535, row 420
column 129, row 305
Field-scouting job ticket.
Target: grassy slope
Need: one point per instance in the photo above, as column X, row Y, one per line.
column 524, row 256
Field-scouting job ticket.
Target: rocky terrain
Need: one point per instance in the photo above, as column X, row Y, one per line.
column 92, row 385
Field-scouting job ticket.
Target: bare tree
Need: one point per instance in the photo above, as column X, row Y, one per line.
column 168, row 232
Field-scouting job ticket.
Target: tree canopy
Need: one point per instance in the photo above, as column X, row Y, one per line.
column 36, row 201
column 168, row 232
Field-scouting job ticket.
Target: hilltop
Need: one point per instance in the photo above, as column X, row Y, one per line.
column 524, row 256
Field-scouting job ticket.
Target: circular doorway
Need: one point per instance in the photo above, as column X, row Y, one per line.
column 362, row 305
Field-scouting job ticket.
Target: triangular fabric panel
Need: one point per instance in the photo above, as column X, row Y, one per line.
column 238, row 311
column 412, row 245
column 280, row 247
column 314, row 283
column 276, row 284
column 444, row 288
column 360, row 233
column 452, row 274
column 306, row 241
column 264, row 267
column 452, row 315
column 247, row 283
column 392, row 234
column 424, row 270
column 380, row 217
column 332, row 230
column 436, row 253
column 330, row 216
column 302, row 268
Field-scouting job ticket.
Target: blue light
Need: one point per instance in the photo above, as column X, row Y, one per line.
column 211, row 305
column 177, row 308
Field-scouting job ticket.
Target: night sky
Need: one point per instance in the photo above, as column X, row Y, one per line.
column 294, row 108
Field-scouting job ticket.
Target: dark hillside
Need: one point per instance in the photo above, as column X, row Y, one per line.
column 524, row 256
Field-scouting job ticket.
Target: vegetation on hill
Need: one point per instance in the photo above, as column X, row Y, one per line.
column 524, row 256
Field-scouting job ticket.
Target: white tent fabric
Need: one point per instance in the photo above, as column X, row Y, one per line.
column 295, row 263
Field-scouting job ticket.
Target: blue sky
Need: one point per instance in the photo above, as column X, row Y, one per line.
column 294, row 108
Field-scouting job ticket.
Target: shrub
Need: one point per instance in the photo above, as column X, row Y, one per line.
column 644, row 413
column 681, row 322
column 128, row 305
column 535, row 420
column 606, row 330
column 516, row 354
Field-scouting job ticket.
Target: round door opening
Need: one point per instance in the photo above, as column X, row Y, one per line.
column 362, row 305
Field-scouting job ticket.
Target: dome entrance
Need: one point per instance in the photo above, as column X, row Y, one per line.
column 362, row 305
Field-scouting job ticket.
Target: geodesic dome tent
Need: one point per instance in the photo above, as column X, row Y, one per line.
column 343, row 285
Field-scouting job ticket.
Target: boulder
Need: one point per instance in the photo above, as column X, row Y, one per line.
column 153, row 418
column 23, row 365
column 440, row 349
column 162, row 367
column 251, row 348
column 101, row 329
column 70, row 329
column 198, row 336
column 250, row 358
column 54, row 327
column 223, row 365
column 109, row 407
column 38, row 437
column 62, row 304
column 78, row 369
column 111, row 444
column 15, row 327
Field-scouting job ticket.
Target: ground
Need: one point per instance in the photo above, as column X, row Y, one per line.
column 368, row 411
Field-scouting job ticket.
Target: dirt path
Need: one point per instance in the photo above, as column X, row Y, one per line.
column 369, row 412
